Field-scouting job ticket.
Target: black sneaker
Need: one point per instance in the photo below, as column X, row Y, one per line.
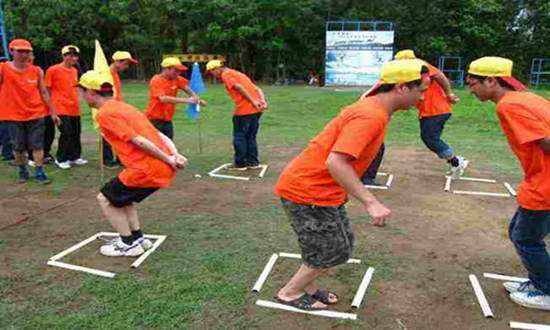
column 23, row 176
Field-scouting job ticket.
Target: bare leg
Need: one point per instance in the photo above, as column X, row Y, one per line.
column 38, row 156
column 296, row 287
column 132, row 216
column 116, row 216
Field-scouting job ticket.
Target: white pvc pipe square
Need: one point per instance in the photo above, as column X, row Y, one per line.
column 529, row 326
column 505, row 277
column 265, row 273
column 326, row 313
column 362, row 288
column 485, row 308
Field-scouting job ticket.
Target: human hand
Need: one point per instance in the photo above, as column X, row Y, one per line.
column 453, row 98
column 378, row 212
column 181, row 161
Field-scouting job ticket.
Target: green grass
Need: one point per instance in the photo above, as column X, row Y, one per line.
column 203, row 273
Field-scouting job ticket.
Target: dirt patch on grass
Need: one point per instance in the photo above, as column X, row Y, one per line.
column 434, row 240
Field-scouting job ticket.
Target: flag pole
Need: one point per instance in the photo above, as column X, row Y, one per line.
column 101, row 166
column 199, row 127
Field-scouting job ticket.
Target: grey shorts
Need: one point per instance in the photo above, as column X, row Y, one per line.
column 324, row 233
column 28, row 135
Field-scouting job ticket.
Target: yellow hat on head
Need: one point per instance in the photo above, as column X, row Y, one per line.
column 213, row 64
column 405, row 54
column 175, row 62
column 493, row 66
column 70, row 49
column 397, row 72
column 123, row 55
column 93, row 80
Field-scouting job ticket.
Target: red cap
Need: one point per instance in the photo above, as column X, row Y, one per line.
column 514, row 83
column 20, row 44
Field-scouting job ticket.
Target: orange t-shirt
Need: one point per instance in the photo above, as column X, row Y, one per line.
column 525, row 118
column 62, row 81
column 20, row 95
column 358, row 131
column 243, row 107
column 435, row 100
column 120, row 122
column 116, row 85
column 159, row 86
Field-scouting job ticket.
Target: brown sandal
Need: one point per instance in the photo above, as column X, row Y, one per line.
column 304, row 302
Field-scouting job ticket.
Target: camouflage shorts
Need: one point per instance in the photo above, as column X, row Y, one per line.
column 324, row 233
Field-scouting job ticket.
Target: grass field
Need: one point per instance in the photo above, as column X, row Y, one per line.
column 216, row 246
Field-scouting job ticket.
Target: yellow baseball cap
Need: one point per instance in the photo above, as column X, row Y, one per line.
column 213, row 64
column 96, row 81
column 70, row 49
column 124, row 55
column 398, row 72
column 493, row 66
column 405, row 54
column 173, row 62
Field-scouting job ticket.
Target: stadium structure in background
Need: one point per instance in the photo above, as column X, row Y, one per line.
column 356, row 50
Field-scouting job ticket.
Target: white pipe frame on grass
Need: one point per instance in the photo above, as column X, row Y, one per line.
column 362, row 288
column 297, row 256
column 528, row 326
column 505, row 277
column 480, row 193
column 264, row 169
column 465, row 178
column 482, row 300
column 448, row 184
column 265, row 273
column 510, row 189
column 74, row 247
column 81, row 269
column 390, row 180
column 326, row 313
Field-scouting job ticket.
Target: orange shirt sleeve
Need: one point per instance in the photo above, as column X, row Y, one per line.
column 49, row 76
column 523, row 125
column 116, row 126
column 432, row 70
column 182, row 83
column 356, row 135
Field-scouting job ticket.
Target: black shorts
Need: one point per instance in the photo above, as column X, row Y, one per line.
column 324, row 233
column 121, row 195
column 165, row 127
column 28, row 135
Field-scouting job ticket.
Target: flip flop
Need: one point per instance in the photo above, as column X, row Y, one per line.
column 304, row 302
column 323, row 296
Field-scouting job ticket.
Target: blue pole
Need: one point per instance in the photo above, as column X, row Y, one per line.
column 3, row 31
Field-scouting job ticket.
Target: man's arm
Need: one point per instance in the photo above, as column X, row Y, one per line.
column 256, row 103
column 545, row 145
column 341, row 170
column 177, row 100
column 446, row 85
column 262, row 97
column 150, row 148
column 46, row 99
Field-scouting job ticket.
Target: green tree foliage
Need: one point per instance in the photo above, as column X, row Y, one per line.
column 263, row 37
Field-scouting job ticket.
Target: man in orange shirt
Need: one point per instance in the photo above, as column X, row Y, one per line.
column 25, row 103
column 121, row 62
column 249, row 104
column 314, row 187
column 149, row 157
column 61, row 80
column 433, row 112
column 163, row 91
column 525, row 120
column 5, row 132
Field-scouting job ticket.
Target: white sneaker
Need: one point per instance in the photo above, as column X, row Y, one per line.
column 31, row 163
column 518, row 286
column 79, row 162
column 117, row 248
column 458, row 171
column 63, row 165
column 145, row 243
column 532, row 299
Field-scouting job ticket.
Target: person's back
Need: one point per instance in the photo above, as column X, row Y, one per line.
column 525, row 117
column 230, row 77
column 119, row 123
column 435, row 101
column 306, row 179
